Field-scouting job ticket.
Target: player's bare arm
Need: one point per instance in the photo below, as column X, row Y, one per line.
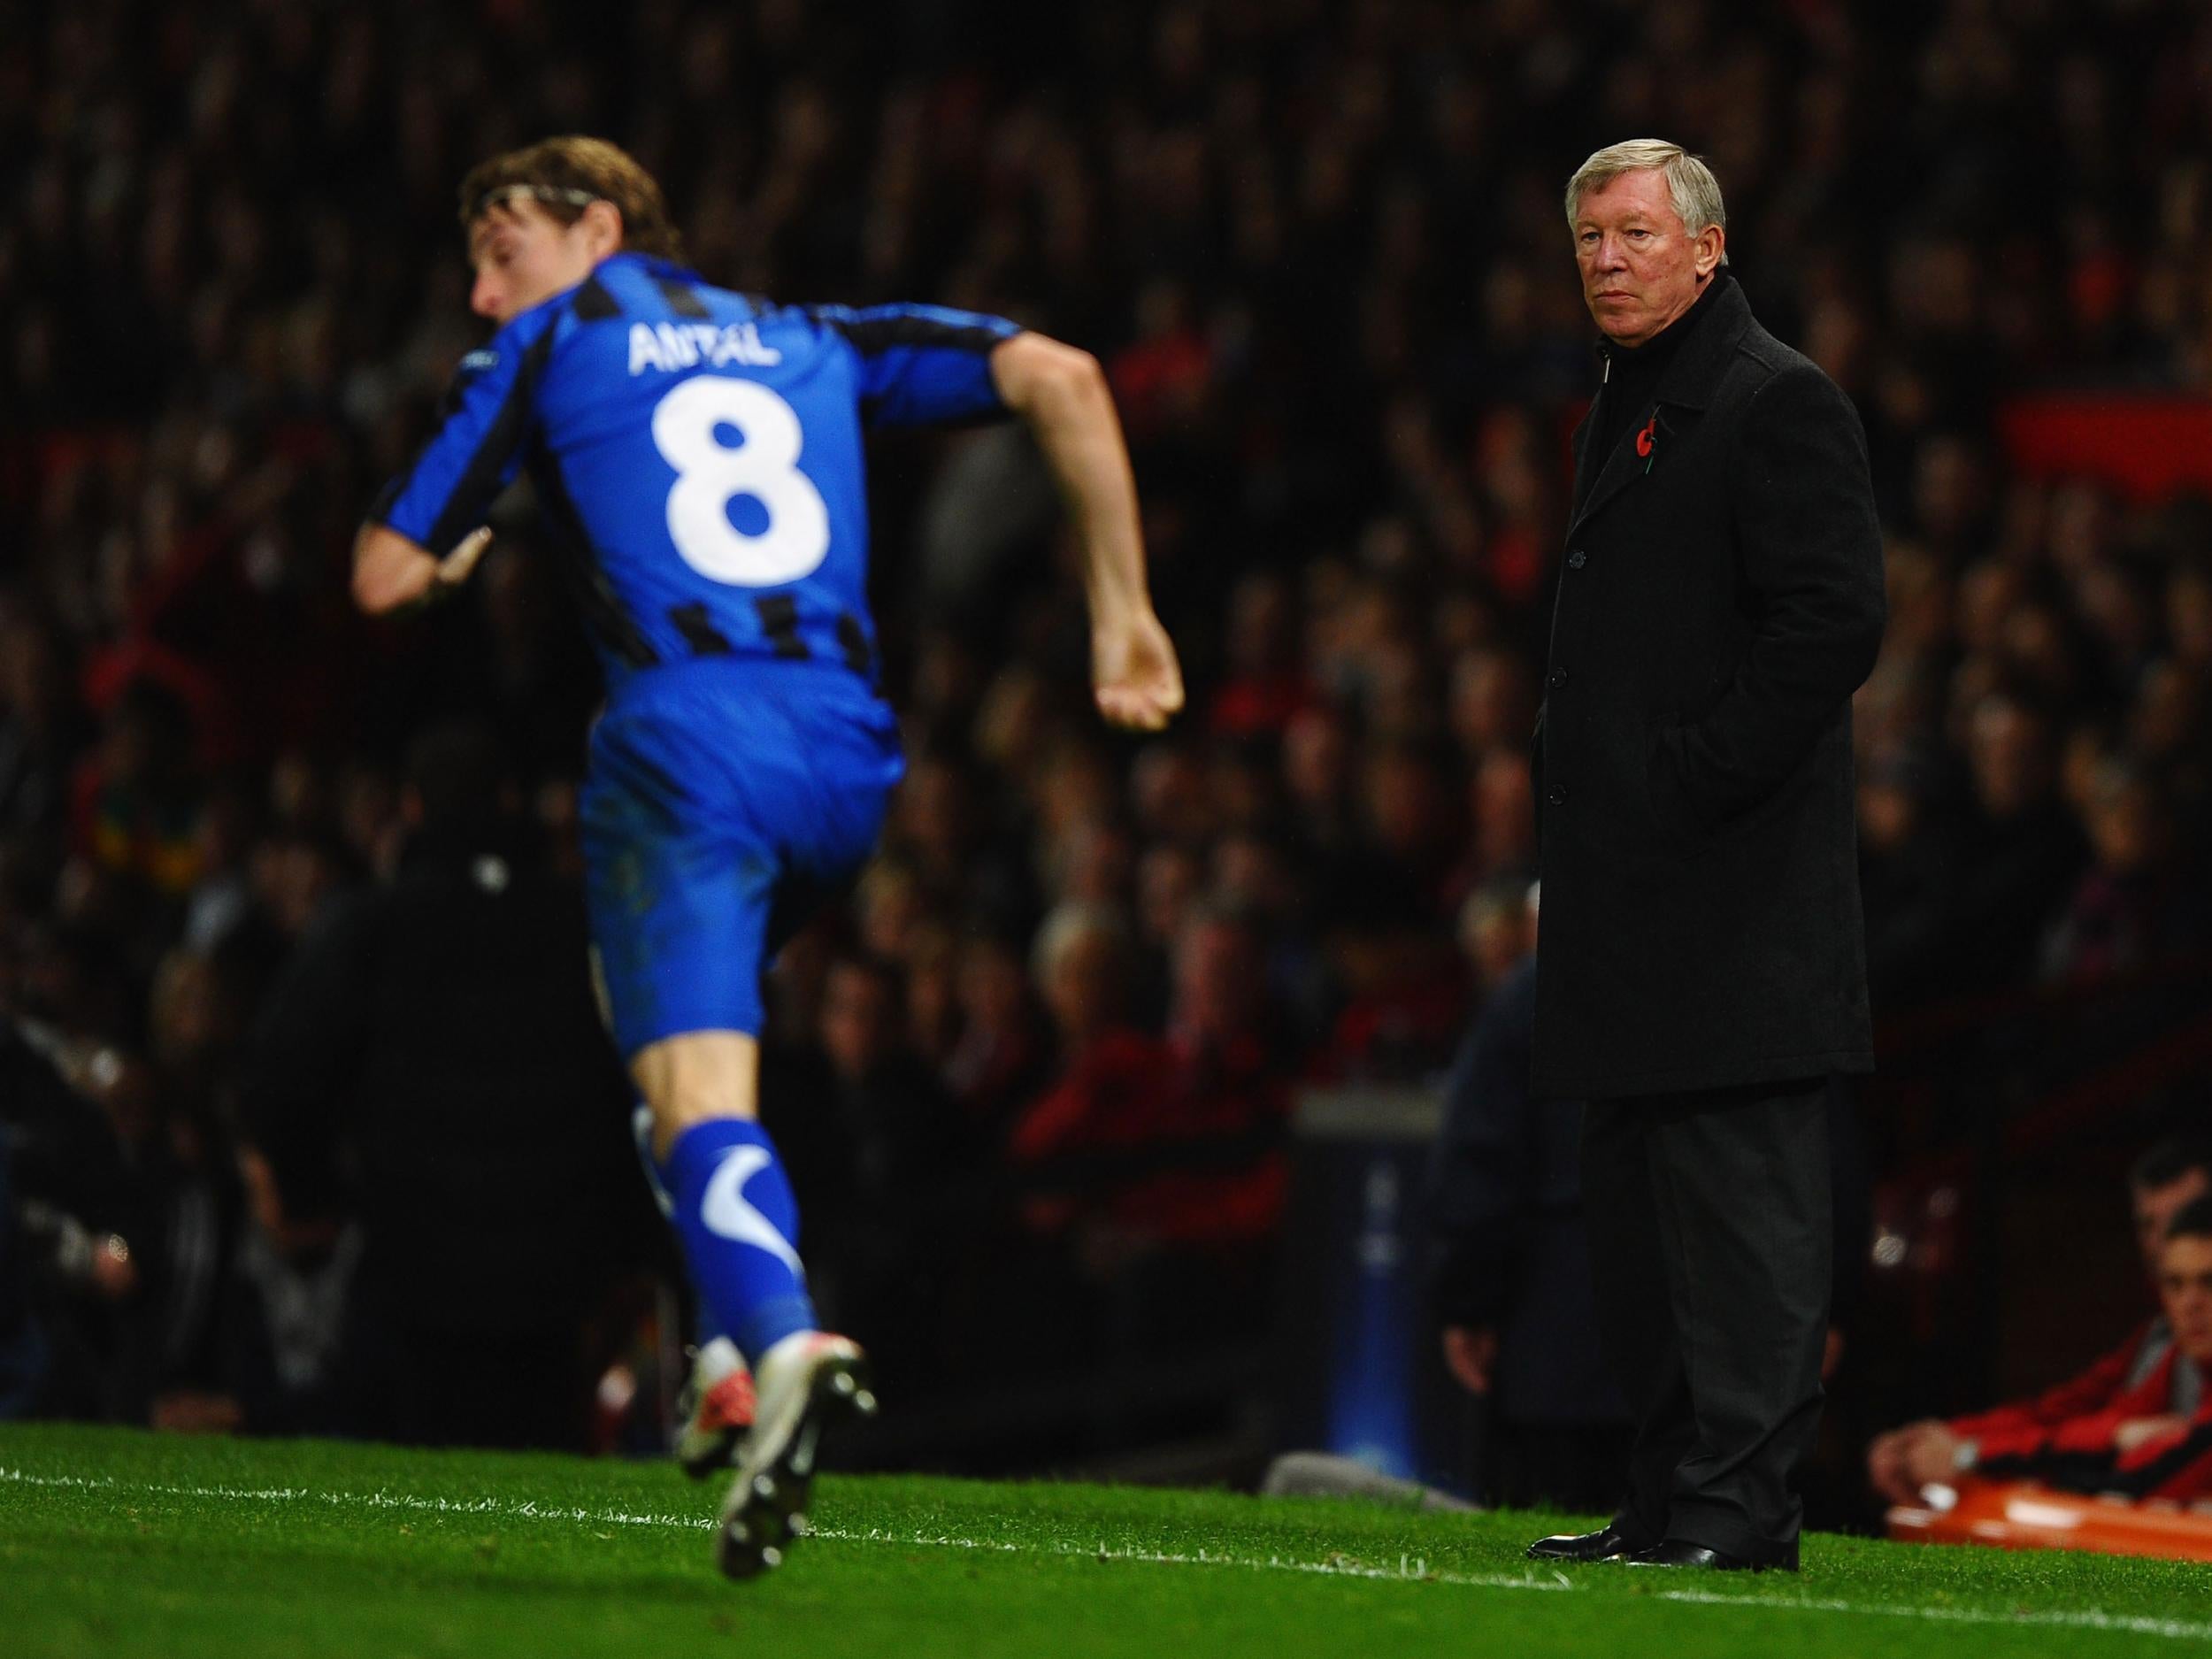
column 391, row 572
column 520, row 256
column 1061, row 392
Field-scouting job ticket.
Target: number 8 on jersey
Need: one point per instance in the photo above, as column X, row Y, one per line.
column 763, row 465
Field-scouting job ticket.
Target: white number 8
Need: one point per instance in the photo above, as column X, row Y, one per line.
column 708, row 475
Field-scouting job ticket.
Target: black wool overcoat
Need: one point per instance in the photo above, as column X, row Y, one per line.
column 1719, row 599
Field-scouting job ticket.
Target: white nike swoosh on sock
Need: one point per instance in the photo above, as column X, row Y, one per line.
column 723, row 1206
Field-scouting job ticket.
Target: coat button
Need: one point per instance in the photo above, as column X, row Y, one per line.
column 1557, row 794
column 1577, row 559
column 1558, row 677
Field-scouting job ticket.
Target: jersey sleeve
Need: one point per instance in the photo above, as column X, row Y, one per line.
column 922, row 365
column 477, row 447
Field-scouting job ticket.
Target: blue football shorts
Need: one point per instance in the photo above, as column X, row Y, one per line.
column 724, row 802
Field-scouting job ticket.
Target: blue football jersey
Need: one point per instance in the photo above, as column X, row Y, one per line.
column 700, row 451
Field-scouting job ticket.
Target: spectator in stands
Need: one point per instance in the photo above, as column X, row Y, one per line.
column 38, row 723
column 284, row 1368
column 209, row 1255
column 871, row 1134
column 1501, row 810
column 1497, row 932
column 68, row 1204
column 2135, row 905
column 1906, row 880
column 2153, row 1437
column 888, row 1113
column 1081, row 961
column 2171, row 1179
column 1209, row 1086
column 22, row 1344
column 1509, row 1266
column 1265, row 684
column 439, row 1038
column 2019, row 850
column 1002, row 1058
column 136, row 804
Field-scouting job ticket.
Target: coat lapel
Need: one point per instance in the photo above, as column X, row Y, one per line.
column 1689, row 383
column 1621, row 469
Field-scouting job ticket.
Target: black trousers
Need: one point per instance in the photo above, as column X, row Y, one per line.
column 1710, row 1241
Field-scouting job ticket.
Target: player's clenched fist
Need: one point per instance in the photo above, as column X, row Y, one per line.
column 1138, row 682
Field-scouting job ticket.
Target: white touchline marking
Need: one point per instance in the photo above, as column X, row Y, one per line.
column 1410, row 1569
column 527, row 1509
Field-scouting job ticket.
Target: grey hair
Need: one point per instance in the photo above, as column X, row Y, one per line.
column 1690, row 182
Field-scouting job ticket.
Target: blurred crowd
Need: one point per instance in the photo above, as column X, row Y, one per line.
column 1319, row 248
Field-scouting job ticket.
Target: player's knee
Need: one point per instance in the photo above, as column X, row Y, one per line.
column 696, row 1079
column 682, row 1108
column 674, row 1114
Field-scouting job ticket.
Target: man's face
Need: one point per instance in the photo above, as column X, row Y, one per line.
column 523, row 256
column 2155, row 1208
column 2185, row 1286
column 1640, row 269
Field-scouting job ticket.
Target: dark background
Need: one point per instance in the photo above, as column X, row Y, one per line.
column 1036, row 1077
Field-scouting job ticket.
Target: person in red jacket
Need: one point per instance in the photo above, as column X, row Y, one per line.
column 2155, row 1438
column 2152, row 1375
column 1199, row 1114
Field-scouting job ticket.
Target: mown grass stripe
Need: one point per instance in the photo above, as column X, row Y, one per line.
column 1410, row 1570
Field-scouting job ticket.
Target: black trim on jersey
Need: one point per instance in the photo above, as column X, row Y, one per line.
column 872, row 336
column 456, row 394
column 380, row 510
column 702, row 635
column 501, row 438
column 596, row 596
column 664, row 787
column 682, row 298
column 780, row 621
column 592, row 304
column 854, row 641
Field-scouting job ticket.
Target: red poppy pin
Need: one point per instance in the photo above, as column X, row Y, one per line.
column 1647, row 439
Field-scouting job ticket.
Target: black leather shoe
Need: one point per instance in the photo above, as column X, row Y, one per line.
column 1608, row 1543
column 1677, row 1552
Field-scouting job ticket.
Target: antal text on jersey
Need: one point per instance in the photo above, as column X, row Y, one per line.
column 686, row 345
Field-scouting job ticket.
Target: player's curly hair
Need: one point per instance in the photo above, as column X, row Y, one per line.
column 565, row 175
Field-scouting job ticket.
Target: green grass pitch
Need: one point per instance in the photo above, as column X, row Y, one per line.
column 114, row 1542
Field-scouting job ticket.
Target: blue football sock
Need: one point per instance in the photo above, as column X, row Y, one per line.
column 740, row 1225
column 706, row 1328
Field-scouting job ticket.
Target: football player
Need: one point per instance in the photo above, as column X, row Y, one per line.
column 700, row 453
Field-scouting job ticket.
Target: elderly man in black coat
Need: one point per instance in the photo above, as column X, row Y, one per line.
column 1700, row 965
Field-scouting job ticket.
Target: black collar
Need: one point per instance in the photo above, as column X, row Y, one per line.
column 1689, row 375
column 1696, row 345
